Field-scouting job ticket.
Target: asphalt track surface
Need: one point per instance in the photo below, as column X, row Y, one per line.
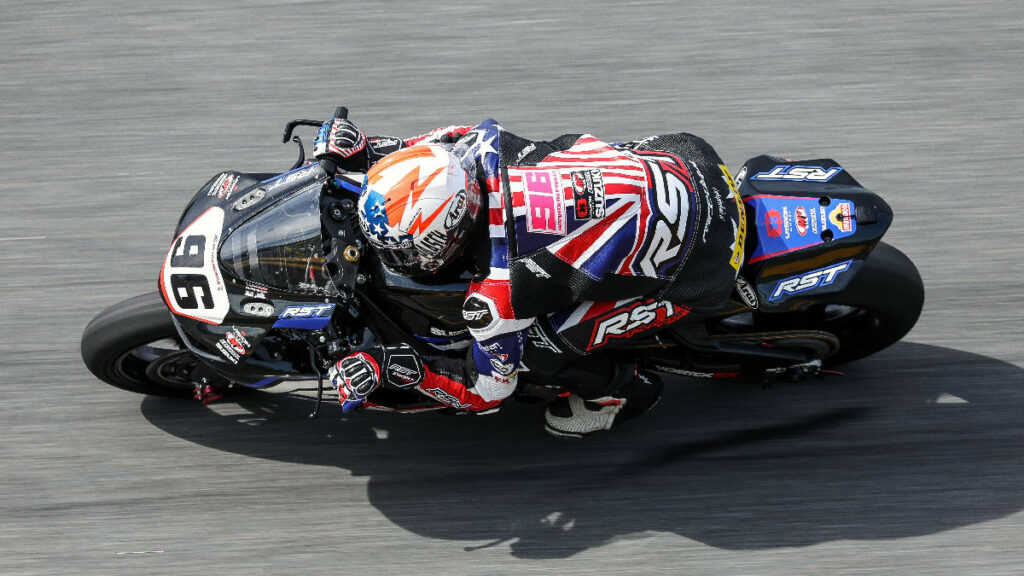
column 113, row 113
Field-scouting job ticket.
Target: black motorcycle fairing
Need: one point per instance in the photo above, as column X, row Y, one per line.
column 431, row 309
column 809, row 267
column 256, row 265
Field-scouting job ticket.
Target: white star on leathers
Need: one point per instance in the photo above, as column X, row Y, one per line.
column 481, row 146
column 486, row 146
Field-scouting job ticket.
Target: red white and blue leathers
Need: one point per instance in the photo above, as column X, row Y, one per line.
column 591, row 244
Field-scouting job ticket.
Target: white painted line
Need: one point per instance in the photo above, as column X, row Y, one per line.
column 948, row 399
column 23, row 238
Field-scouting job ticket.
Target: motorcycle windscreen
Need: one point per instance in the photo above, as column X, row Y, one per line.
column 282, row 247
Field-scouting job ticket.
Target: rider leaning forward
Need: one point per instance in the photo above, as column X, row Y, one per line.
column 577, row 247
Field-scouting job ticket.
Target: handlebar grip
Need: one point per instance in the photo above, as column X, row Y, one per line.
column 341, row 112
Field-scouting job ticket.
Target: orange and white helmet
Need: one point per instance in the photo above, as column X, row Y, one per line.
column 417, row 208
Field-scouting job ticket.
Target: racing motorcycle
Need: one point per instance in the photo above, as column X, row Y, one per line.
column 273, row 282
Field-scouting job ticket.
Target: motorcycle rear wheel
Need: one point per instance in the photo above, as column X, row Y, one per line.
column 133, row 345
column 877, row 309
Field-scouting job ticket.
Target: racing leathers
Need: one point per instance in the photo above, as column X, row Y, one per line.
column 590, row 244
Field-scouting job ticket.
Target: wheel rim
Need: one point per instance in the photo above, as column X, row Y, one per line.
column 163, row 362
column 855, row 328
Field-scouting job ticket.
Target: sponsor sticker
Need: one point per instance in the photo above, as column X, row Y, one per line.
column 736, row 260
column 444, row 396
column 456, row 211
column 773, row 223
column 538, row 338
column 587, row 194
column 536, row 268
column 502, row 368
column 545, row 205
column 383, row 144
column 305, row 317
column 746, row 292
column 404, row 370
column 233, row 345
column 446, row 333
column 800, row 220
column 788, row 223
column 841, row 216
column 671, row 193
column 224, row 186
column 808, row 280
column 634, row 319
column 789, row 173
column 476, row 312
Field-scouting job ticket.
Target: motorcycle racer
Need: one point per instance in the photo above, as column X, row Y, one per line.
column 577, row 245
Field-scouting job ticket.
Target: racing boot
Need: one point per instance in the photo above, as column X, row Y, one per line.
column 574, row 417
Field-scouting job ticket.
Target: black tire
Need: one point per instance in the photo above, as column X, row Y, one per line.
column 877, row 309
column 134, row 346
column 884, row 299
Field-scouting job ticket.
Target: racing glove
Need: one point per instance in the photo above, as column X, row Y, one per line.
column 359, row 374
column 340, row 141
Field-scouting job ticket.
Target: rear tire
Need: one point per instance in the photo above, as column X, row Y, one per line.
column 134, row 346
column 878, row 308
column 886, row 298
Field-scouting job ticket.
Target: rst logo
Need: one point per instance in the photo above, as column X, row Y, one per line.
column 809, row 280
column 672, row 192
column 628, row 322
column 307, row 317
column 798, row 173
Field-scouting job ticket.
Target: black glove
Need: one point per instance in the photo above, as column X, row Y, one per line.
column 359, row 374
column 341, row 142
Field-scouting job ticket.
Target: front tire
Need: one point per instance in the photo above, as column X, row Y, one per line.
column 134, row 346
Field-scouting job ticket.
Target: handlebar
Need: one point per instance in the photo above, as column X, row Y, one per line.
column 329, row 166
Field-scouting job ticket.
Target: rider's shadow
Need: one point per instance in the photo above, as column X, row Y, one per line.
column 913, row 441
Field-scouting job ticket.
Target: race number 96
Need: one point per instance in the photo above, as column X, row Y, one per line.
column 190, row 281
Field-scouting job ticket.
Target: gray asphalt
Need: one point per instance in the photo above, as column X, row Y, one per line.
column 114, row 113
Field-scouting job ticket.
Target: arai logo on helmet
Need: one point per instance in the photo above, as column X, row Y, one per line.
column 790, row 173
column 456, row 211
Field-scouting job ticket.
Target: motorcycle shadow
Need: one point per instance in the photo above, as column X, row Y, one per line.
column 916, row 440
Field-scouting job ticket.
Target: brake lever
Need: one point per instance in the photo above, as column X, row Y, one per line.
column 290, row 127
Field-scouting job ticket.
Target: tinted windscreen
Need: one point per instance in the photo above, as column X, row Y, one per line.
column 282, row 247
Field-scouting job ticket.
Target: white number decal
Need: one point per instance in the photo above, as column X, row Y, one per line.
column 190, row 280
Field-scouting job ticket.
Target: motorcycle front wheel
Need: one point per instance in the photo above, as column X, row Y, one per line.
column 133, row 345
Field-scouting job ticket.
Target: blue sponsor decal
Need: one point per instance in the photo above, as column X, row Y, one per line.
column 305, row 317
column 345, row 184
column 789, row 173
column 808, row 280
column 306, row 172
column 788, row 223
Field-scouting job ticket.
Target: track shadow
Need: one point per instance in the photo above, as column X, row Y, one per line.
column 916, row 440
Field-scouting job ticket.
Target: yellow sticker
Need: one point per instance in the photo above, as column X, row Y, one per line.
column 736, row 260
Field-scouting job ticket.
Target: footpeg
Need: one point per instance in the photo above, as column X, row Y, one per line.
column 207, row 393
column 794, row 373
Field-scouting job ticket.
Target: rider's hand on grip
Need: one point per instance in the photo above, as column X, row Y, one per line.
column 339, row 140
column 355, row 377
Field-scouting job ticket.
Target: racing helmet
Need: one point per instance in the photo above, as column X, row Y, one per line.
column 417, row 208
